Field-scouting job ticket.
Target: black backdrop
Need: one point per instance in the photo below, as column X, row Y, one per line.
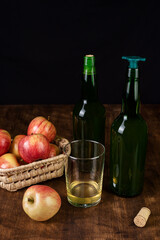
column 42, row 45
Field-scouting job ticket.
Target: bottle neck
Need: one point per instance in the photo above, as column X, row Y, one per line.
column 89, row 84
column 131, row 98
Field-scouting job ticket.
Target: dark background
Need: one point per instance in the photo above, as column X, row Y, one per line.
column 42, row 45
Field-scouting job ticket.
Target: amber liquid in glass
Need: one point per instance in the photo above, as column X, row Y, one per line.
column 81, row 193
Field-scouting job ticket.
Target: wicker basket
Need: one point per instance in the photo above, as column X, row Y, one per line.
column 25, row 175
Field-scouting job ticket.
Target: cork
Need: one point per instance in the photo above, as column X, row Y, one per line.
column 141, row 218
column 89, row 55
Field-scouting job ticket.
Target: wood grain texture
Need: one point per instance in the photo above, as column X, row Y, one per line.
column 113, row 217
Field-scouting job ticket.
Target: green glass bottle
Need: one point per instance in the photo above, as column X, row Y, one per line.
column 89, row 114
column 128, row 140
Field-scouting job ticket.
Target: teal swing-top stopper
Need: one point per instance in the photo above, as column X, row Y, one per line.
column 133, row 60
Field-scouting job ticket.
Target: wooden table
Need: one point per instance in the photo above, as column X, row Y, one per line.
column 113, row 217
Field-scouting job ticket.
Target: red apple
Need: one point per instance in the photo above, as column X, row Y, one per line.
column 8, row 160
column 34, row 147
column 5, row 141
column 41, row 202
column 14, row 145
column 43, row 126
column 54, row 150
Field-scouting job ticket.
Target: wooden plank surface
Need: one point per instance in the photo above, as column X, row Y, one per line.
column 113, row 217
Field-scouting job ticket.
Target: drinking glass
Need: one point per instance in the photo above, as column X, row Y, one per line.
column 84, row 172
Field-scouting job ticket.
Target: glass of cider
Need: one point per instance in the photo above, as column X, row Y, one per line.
column 84, row 172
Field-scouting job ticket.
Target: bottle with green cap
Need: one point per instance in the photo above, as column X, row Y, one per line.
column 89, row 113
column 128, row 141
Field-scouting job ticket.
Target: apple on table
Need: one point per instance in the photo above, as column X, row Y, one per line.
column 41, row 202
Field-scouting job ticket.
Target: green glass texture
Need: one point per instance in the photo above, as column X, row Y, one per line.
column 89, row 113
column 128, row 143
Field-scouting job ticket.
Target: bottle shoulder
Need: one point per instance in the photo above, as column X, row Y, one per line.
column 85, row 107
column 131, row 123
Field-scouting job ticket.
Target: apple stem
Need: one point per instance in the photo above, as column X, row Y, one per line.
column 48, row 118
column 31, row 200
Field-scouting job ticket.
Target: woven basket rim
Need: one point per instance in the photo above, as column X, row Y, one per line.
column 35, row 163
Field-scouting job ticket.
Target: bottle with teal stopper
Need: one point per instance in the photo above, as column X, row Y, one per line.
column 89, row 113
column 128, row 140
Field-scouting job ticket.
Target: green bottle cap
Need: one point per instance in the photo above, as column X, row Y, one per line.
column 133, row 61
column 89, row 64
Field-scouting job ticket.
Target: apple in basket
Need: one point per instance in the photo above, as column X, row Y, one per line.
column 34, row 147
column 14, row 145
column 5, row 141
column 41, row 202
column 43, row 126
column 8, row 160
column 54, row 150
